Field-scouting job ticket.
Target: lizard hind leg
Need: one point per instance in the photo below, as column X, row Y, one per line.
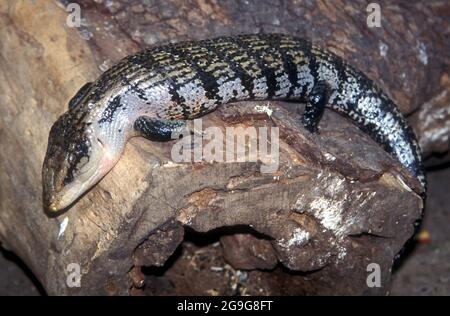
column 315, row 106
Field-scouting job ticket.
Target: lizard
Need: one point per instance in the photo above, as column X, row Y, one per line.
column 159, row 89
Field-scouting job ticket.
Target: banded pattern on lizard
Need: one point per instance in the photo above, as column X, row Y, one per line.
column 156, row 90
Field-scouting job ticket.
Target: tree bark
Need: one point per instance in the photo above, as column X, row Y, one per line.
column 337, row 203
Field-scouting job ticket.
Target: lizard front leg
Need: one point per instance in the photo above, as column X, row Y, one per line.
column 163, row 130
column 158, row 129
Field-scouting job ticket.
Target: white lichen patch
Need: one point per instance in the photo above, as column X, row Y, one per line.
column 216, row 269
column 335, row 185
column 328, row 212
column 383, row 49
column 187, row 215
column 171, row 164
column 364, row 197
column 329, row 157
column 422, row 53
column 328, row 207
column 342, row 252
column 62, row 227
column 298, row 238
column 263, row 109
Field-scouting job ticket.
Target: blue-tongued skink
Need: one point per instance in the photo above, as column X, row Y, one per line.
column 158, row 89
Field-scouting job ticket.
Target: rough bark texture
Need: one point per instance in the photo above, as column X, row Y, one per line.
column 337, row 203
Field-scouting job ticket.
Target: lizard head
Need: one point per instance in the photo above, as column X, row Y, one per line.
column 76, row 159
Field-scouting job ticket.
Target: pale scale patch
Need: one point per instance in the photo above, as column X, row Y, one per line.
column 193, row 93
column 329, row 74
column 305, row 78
column 260, row 88
column 350, row 90
column 386, row 123
column 159, row 94
column 283, row 83
column 223, row 75
column 232, row 89
column 369, row 106
column 160, row 99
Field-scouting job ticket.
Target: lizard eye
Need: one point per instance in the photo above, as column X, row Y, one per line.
column 83, row 161
column 68, row 178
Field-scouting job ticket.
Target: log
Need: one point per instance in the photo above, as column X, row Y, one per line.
column 432, row 124
column 336, row 204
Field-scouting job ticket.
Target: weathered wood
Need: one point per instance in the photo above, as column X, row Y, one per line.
column 337, row 203
column 432, row 124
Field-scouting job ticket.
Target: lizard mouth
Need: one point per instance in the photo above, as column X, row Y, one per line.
column 56, row 201
column 58, row 196
column 64, row 198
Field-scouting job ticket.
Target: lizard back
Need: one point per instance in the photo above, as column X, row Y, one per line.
column 189, row 79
